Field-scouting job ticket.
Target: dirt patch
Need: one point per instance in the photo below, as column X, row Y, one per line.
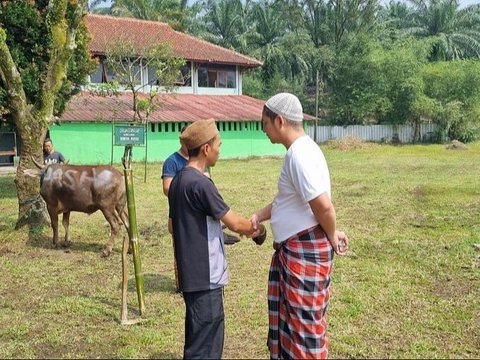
column 419, row 191
column 5, row 250
column 349, row 143
column 448, row 288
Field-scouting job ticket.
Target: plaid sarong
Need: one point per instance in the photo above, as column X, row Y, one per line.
column 298, row 294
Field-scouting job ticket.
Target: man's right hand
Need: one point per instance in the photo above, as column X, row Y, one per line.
column 340, row 243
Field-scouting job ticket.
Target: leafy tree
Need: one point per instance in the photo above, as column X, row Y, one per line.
column 226, row 23
column 127, row 61
column 358, row 92
column 396, row 14
column 176, row 13
column 456, row 30
column 43, row 59
column 401, row 65
column 264, row 39
column 456, row 88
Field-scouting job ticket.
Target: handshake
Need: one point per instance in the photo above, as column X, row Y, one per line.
column 262, row 234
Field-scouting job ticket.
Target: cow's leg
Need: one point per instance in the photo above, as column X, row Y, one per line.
column 66, row 226
column 123, row 220
column 54, row 222
column 114, row 227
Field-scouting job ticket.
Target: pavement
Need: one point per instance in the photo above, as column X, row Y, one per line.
column 7, row 170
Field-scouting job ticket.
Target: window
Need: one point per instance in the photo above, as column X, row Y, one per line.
column 102, row 74
column 216, row 76
column 184, row 78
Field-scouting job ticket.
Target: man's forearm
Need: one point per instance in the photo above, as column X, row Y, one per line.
column 265, row 213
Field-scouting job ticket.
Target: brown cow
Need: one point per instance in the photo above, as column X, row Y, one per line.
column 86, row 189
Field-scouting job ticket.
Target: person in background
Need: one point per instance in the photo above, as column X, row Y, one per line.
column 195, row 211
column 50, row 156
column 303, row 222
column 172, row 165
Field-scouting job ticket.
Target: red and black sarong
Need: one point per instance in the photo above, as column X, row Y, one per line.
column 298, row 294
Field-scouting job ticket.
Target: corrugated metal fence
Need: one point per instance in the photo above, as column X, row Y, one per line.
column 375, row 133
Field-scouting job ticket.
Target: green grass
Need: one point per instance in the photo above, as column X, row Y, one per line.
column 408, row 289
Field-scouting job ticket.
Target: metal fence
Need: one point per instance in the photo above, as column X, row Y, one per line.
column 375, row 133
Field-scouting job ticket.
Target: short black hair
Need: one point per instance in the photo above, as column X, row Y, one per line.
column 47, row 140
column 269, row 113
column 196, row 151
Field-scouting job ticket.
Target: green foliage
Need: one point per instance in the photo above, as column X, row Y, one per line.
column 456, row 30
column 173, row 12
column 456, row 88
column 402, row 65
column 126, row 62
column 253, row 86
column 358, row 90
column 29, row 40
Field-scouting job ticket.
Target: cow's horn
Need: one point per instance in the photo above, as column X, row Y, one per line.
column 36, row 163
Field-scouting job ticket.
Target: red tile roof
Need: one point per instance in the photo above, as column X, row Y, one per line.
column 85, row 107
column 142, row 33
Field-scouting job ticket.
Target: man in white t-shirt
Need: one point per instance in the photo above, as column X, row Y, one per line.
column 303, row 222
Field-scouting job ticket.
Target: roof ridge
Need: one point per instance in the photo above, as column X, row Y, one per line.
column 179, row 33
column 121, row 18
column 220, row 47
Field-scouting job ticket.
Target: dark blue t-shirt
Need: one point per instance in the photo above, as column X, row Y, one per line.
column 173, row 164
column 196, row 208
column 53, row 158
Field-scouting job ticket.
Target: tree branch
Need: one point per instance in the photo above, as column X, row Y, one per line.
column 11, row 78
column 64, row 30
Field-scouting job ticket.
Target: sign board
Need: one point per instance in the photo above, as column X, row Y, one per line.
column 129, row 135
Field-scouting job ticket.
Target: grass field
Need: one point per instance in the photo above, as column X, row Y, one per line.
column 409, row 287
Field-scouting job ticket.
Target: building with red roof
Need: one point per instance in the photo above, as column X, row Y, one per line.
column 210, row 86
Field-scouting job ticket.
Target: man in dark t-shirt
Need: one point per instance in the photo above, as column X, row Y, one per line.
column 195, row 211
column 172, row 165
column 50, row 156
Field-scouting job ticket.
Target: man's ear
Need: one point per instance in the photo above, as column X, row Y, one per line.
column 281, row 121
column 204, row 149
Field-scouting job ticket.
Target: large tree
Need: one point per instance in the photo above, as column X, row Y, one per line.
column 43, row 59
column 173, row 12
column 456, row 29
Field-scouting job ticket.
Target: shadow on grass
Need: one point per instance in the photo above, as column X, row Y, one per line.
column 112, row 307
column 37, row 239
column 164, row 355
column 7, row 187
column 153, row 283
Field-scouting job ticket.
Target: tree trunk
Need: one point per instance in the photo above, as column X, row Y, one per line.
column 416, row 133
column 31, row 207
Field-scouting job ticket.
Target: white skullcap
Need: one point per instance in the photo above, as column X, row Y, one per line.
column 286, row 105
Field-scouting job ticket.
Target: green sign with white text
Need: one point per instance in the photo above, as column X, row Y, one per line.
column 129, row 135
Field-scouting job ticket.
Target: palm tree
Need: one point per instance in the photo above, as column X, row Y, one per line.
column 98, row 7
column 226, row 23
column 456, row 31
column 173, row 12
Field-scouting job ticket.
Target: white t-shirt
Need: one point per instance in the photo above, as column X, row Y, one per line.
column 304, row 176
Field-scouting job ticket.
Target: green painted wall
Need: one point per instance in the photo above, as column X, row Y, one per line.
column 91, row 143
